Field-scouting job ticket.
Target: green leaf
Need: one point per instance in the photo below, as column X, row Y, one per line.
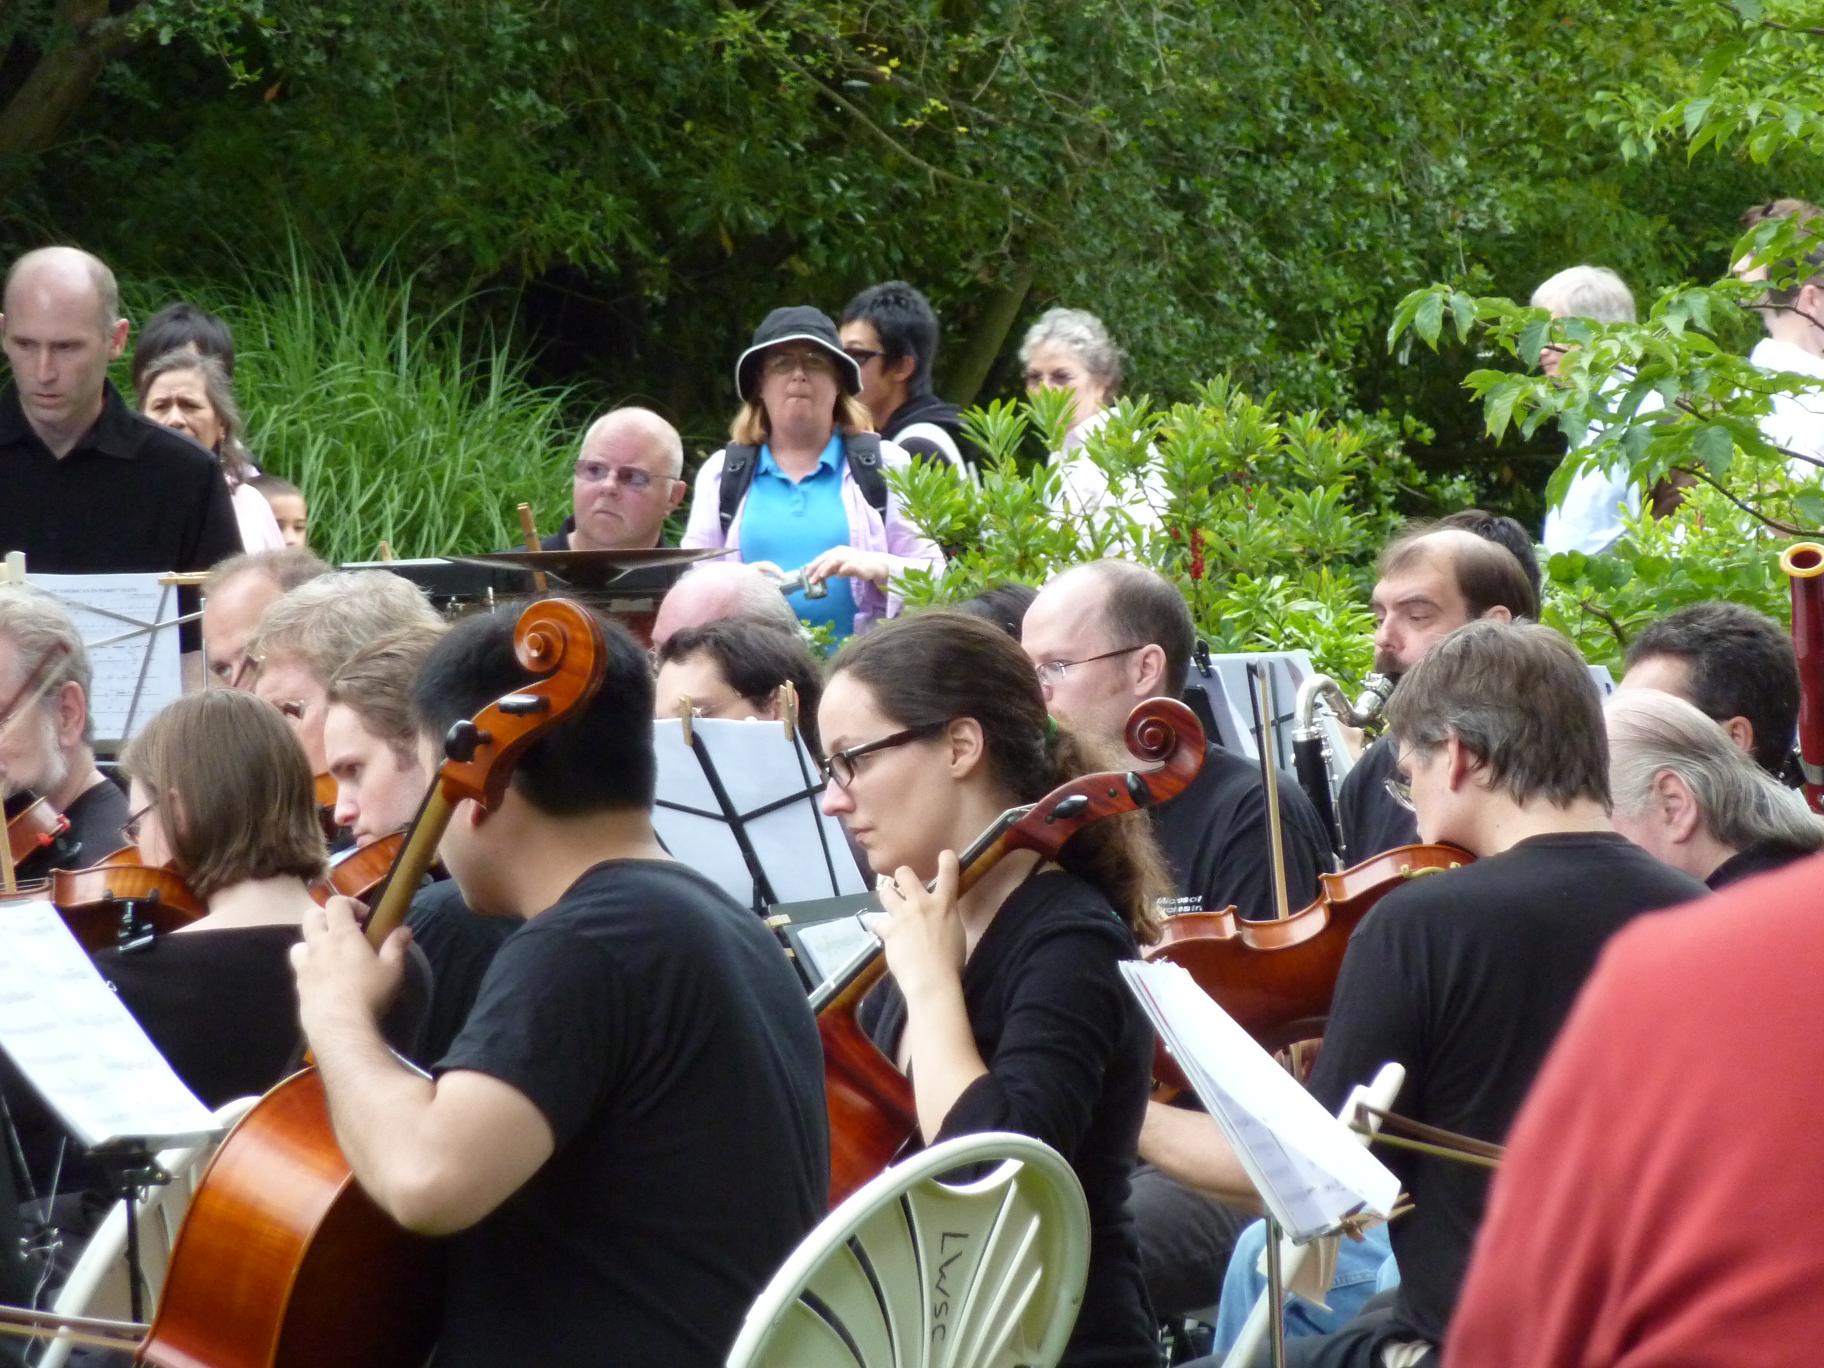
column 1713, row 444
column 1428, row 321
column 1462, row 313
column 1809, row 505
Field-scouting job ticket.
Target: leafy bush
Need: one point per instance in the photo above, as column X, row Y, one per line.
column 1269, row 521
column 400, row 424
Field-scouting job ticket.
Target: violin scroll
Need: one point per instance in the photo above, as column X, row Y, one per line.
column 1166, row 733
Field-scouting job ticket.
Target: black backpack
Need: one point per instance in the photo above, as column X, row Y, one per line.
column 860, row 449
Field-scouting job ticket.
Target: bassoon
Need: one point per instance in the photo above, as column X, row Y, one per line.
column 1803, row 563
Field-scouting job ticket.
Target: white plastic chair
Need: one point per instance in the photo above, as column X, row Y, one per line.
column 913, row 1272
column 1380, row 1095
column 97, row 1285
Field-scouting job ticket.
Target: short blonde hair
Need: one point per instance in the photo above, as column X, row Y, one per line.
column 249, row 807
column 752, row 428
column 324, row 621
column 376, row 685
column 33, row 622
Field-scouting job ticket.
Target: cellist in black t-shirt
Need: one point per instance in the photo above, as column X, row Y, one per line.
column 1465, row 977
column 627, row 1137
column 1005, row 1006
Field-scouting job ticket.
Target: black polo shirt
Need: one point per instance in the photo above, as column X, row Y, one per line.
column 131, row 495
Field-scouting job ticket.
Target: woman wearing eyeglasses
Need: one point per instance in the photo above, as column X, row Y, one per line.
column 220, row 791
column 1005, row 1006
column 802, row 481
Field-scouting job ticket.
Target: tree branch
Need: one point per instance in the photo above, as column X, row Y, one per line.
column 1783, row 528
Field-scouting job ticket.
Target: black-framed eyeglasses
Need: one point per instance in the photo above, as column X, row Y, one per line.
column 862, row 355
column 1053, row 671
column 129, row 829
column 839, row 768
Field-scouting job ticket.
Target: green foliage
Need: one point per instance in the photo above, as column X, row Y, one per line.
column 399, row 425
column 1709, row 549
column 1269, row 519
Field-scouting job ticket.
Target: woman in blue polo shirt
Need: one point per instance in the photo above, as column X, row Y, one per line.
column 804, row 505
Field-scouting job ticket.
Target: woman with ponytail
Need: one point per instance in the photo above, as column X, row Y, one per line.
column 1004, row 1005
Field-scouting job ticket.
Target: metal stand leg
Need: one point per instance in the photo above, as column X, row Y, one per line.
column 1276, row 1298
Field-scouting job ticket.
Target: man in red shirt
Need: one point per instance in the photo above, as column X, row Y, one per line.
column 1658, row 1201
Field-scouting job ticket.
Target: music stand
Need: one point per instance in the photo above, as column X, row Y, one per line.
column 739, row 802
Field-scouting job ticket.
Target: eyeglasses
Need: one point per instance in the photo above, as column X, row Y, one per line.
column 630, row 478
column 130, row 828
column 862, row 355
column 1400, row 790
column 810, row 362
column 840, row 767
column 1053, row 671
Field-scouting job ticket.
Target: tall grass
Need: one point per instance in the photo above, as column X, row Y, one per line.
column 402, row 424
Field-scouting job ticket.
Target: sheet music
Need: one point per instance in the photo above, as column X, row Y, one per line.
column 77, row 1044
column 1308, row 1166
column 136, row 666
column 757, row 765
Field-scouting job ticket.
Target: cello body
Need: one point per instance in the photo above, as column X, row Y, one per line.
column 307, row 1290
column 1276, row 978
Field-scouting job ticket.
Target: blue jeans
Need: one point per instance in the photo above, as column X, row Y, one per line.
column 1363, row 1268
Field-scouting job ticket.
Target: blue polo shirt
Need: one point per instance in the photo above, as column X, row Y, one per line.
column 792, row 522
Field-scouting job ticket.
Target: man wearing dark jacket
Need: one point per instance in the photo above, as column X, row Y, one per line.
column 891, row 332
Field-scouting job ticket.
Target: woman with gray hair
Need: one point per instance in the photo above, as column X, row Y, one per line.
column 192, row 394
column 1686, row 794
column 1070, row 349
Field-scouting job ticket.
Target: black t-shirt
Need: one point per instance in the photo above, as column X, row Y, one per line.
column 96, row 817
column 665, row 1038
column 1465, row 977
column 460, row 945
column 131, row 495
column 1069, row 1055
column 1757, row 859
column 1214, row 835
column 1372, row 820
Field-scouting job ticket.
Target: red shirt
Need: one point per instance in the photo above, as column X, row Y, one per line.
column 1660, row 1198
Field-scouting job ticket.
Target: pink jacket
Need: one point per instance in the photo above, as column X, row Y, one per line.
column 902, row 542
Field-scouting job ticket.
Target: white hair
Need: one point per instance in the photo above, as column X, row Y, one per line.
column 1082, row 334
column 1653, row 733
column 1592, row 292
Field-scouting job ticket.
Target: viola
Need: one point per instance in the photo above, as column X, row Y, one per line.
column 1276, row 978
column 360, row 873
column 283, row 1261
column 871, row 1108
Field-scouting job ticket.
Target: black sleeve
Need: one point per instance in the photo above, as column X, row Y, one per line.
column 547, row 1022
column 214, row 535
column 1241, row 874
column 1376, row 1015
column 1066, row 1010
column 1372, row 822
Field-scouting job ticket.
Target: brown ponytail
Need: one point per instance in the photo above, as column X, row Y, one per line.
column 937, row 666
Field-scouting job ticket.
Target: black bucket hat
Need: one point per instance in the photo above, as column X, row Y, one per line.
column 800, row 323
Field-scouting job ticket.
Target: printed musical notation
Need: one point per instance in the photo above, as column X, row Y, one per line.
column 128, row 622
column 75, row 1042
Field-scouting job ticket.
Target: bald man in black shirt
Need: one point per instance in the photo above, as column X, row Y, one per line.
column 92, row 485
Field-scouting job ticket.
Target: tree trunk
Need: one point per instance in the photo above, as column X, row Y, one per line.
column 81, row 40
column 965, row 376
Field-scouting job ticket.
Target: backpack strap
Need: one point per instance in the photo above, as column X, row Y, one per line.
column 738, row 462
column 863, row 452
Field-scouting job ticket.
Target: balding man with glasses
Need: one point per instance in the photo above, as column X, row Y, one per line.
column 629, row 476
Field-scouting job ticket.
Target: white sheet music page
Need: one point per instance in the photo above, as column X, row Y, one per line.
column 77, row 1044
column 136, row 665
column 1309, row 1168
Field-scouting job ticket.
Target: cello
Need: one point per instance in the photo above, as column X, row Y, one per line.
column 283, row 1261
column 870, row 1103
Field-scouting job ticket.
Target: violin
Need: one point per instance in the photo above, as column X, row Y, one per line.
column 1276, row 978
column 360, row 873
column 122, row 903
column 283, row 1261
column 34, row 827
column 871, row 1108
